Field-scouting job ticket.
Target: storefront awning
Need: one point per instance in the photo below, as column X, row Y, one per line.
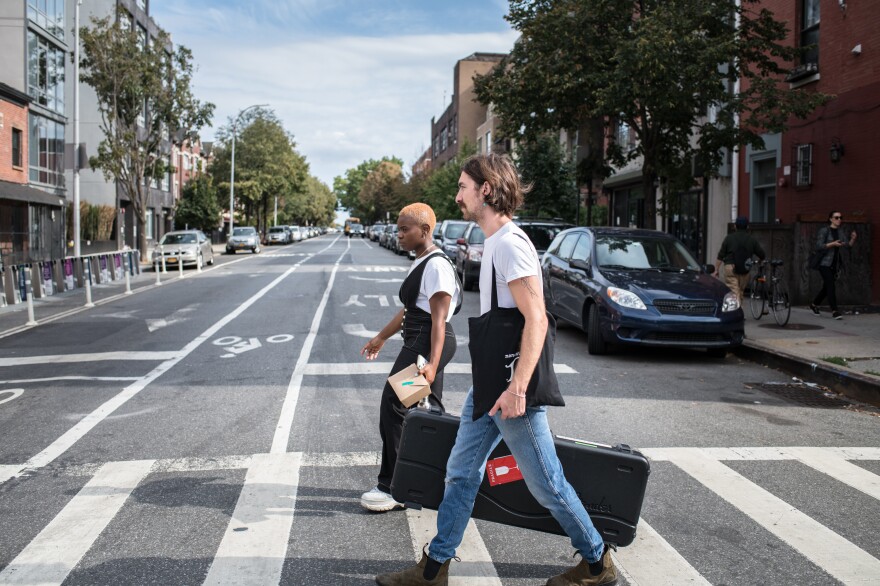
column 19, row 192
column 630, row 176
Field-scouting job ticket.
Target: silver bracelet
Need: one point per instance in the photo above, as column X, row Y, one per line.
column 523, row 396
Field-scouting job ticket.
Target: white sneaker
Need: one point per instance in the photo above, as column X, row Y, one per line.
column 379, row 501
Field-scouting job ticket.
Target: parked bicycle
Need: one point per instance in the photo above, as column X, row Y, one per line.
column 769, row 291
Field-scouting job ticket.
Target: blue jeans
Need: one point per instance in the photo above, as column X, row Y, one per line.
column 531, row 444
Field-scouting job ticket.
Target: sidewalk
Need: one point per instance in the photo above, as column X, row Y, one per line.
column 804, row 346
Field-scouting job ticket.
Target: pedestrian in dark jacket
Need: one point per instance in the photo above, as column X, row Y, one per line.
column 737, row 248
column 829, row 241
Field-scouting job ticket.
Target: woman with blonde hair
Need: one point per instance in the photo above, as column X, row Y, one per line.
column 428, row 292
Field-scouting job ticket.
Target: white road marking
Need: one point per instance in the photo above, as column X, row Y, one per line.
column 651, row 556
column 13, row 394
column 56, row 550
column 476, row 567
column 95, row 357
column 353, row 300
column 254, row 547
column 70, row 377
column 288, row 409
column 757, row 453
column 376, row 280
column 832, row 553
column 383, row 299
column 373, row 269
column 839, row 469
column 352, row 368
column 177, row 317
column 242, row 347
column 359, row 330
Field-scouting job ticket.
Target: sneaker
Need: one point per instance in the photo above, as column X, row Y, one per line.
column 814, row 309
column 379, row 501
column 415, row 575
column 580, row 575
column 836, row 315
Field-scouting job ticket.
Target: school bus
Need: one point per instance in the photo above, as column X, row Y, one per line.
column 348, row 223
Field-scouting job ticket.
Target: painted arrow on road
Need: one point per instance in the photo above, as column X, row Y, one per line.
column 242, row 347
column 361, row 332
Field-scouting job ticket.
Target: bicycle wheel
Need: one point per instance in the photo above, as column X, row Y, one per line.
column 756, row 297
column 780, row 304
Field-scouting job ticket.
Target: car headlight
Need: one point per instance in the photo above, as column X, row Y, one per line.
column 475, row 255
column 731, row 303
column 625, row 298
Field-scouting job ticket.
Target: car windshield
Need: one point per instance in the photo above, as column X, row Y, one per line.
column 243, row 231
column 476, row 236
column 643, row 253
column 178, row 239
column 455, row 231
column 542, row 235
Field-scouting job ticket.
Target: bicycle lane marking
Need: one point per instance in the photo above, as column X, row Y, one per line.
column 85, row 425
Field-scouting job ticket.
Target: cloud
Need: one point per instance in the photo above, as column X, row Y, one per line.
column 345, row 97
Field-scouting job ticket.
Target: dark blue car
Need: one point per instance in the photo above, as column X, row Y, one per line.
column 638, row 287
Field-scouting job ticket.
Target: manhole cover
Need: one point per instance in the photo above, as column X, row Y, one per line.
column 801, row 327
column 804, row 395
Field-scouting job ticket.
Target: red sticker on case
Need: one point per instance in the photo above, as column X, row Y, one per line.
column 503, row 470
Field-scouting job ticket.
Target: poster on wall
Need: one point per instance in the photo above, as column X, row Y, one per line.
column 120, row 270
column 105, row 270
column 48, row 285
column 68, row 273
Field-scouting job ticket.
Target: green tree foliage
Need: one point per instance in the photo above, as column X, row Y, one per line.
column 441, row 185
column 544, row 164
column 267, row 166
column 664, row 68
column 198, row 206
column 145, row 102
column 348, row 187
column 317, row 207
column 381, row 192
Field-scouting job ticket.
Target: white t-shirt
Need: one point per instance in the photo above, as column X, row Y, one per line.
column 438, row 276
column 514, row 256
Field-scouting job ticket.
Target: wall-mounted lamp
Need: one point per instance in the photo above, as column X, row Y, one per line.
column 837, row 151
column 842, row 4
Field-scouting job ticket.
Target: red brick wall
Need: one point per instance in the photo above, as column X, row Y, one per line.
column 851, row 118
column 14, row 116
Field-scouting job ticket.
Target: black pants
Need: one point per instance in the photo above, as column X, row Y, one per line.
column 827, row 274
column 416, row 340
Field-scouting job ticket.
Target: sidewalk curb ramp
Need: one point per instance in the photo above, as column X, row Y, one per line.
column 845, row 381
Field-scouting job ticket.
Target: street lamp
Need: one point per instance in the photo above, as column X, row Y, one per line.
column 232, row 168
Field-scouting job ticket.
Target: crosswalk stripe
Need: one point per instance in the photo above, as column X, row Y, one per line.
column 53, row 554
column 254, row 546
column 825, row 548
column 651, row 556
column 476, row 567
column 839, row 468
column 328, row 368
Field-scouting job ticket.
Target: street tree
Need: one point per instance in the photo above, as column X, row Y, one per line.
column 441, row 186
column 198, row 206
column 146, row 104
column 543, row 163
column 267, row 166
column 382, row 191
column 317, row 207
column 348, row 187
column 662, row 71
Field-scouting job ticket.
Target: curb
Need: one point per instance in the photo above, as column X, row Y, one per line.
column 845, row 381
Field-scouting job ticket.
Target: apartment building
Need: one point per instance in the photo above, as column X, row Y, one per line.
column 462, row 117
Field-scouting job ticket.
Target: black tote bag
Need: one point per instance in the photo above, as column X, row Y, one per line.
column 494, row 346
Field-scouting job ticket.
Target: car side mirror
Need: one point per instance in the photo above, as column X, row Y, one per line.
column 460, row 241
column 710, row 269
column 580, row 264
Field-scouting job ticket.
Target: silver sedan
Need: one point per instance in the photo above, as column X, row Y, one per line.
column 191, row 247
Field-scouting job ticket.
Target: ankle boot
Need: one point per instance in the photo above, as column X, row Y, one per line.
column 580, row 575
column 414, row 575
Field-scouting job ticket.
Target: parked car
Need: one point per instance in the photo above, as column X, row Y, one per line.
column 469, row 256
column 296, row 234
column 541, row 231
column 450, row 232
column 357, row 230
column 388, row 235
column 243, row 238
column 376, row 231
column 187, row 246
column 638, row 287
column 278, row 235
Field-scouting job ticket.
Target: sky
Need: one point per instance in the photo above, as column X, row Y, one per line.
column 351, row 79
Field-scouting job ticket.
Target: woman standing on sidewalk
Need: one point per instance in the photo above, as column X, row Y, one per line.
column 428, row 292
column 828, row 244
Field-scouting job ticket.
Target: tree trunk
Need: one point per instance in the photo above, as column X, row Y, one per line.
column 650, row 192
column 142, row 237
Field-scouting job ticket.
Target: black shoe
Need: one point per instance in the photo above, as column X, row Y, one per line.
column 814, row 309
column 836, row 315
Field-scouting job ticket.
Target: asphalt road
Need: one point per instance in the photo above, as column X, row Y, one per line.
column 220, row 429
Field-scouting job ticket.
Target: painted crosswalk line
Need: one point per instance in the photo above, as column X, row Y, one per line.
column 350, row 368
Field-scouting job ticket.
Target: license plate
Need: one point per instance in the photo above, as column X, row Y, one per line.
column 171, row 259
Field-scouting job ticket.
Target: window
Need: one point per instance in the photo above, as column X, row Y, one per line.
column 810, row 31
column 45, row 73
column 16, row 148
column 488, row 142
column 48, row 14
column 763, row 208
column 444, row 139
column 165, row 184
column 803, row 165
column 142, row 4
column 582, row 249
column 479, row 145
column 567, row 246
column 626, row 136
column 46, row 151
column 148, row 225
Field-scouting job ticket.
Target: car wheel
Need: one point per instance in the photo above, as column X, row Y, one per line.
column 228, row 251
column 596, row 345
column 716, row 352
column 211, row 262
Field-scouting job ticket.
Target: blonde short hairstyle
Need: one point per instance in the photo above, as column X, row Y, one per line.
column 421, row 213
